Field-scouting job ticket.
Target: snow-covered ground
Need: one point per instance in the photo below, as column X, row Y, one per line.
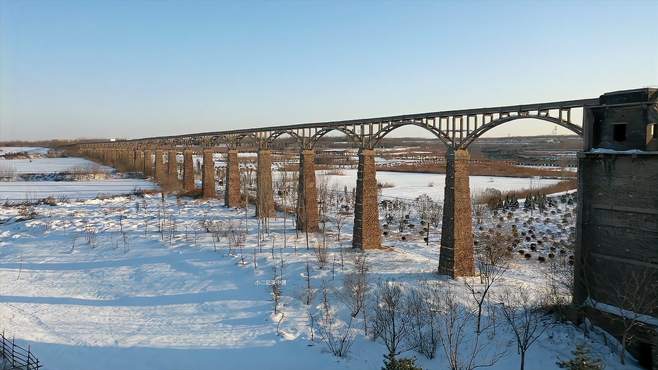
column 96, row 285
column 52, row 165
column 150, row 282
column 407, row 185
column 35, row 190
column 20, row 149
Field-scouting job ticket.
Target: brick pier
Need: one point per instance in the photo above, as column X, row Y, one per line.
column 160, row 170
column 188, row 170
column 264, row 195
column 232, row 183
column 366, row 233
column 208, row 175
column 307, row 197
column 456, row 258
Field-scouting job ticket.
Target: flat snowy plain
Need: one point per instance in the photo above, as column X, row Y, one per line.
column 139, row 283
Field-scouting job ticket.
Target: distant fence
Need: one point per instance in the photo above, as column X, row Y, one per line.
column 17, row 357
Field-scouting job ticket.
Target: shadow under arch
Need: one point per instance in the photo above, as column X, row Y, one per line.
column 379, row 135
column 495, row 123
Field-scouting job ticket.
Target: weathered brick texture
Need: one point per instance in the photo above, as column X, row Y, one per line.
column 264, row 195
column 232, row 183
column 208, row 175
column 139, row 161
column 148, row 163
column 172, row 169
column 366, row 233
column 456, row 258
column 188, row 170
column 160, row 170
column 307, row 197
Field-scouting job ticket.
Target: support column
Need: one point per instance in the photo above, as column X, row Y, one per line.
column 456, row 258
column 208, row 178
column 264, row 195
column 172, row 169
column 160, row 171
column 366, row 233
column 130, row 153
column 307, row 197
column 139, row 160
column 188, row 171
column 114, row 157
column 232, row 183
column 148, row 163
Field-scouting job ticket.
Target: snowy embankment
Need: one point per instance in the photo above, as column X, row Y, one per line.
column 47, row 169
column 146, row 283
column 166, row 283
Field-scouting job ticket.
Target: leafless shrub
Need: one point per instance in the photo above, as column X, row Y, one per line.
column 492, row 257
column 390, row 323
column 338, row 336
column 421, row 308
column 525, row 318
column 463, row 350
column 321, row 256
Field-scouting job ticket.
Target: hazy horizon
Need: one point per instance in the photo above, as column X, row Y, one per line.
column 135, row 69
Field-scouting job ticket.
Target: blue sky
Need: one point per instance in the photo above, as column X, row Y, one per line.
column 72, row 69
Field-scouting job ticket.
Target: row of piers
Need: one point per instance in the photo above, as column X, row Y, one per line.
column 457, row 237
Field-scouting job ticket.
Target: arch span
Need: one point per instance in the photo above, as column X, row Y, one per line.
column 495, row 123
column 351, row 135
column 379, row 135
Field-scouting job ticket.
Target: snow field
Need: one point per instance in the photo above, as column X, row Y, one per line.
column 140, row 283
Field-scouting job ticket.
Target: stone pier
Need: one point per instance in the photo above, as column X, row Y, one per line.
column 130, row 154
column 160, row 170
column 188, row 170
column 139, row 160
column 232, row 183
column 457, row 258
column 366, row 233
column 148, row 163
column 172, row 169
column 208, row 175
column 307, row 197
column 264, row 195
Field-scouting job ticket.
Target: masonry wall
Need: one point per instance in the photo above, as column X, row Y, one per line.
column 617, row 240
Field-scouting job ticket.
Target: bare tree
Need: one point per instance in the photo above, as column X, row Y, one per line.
column 390, row 322
column 463, row 350
column 492, row 256
column 338, row 336
column 355, row 289
column 525, row 318
column 423, row 315
column 276, row 286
